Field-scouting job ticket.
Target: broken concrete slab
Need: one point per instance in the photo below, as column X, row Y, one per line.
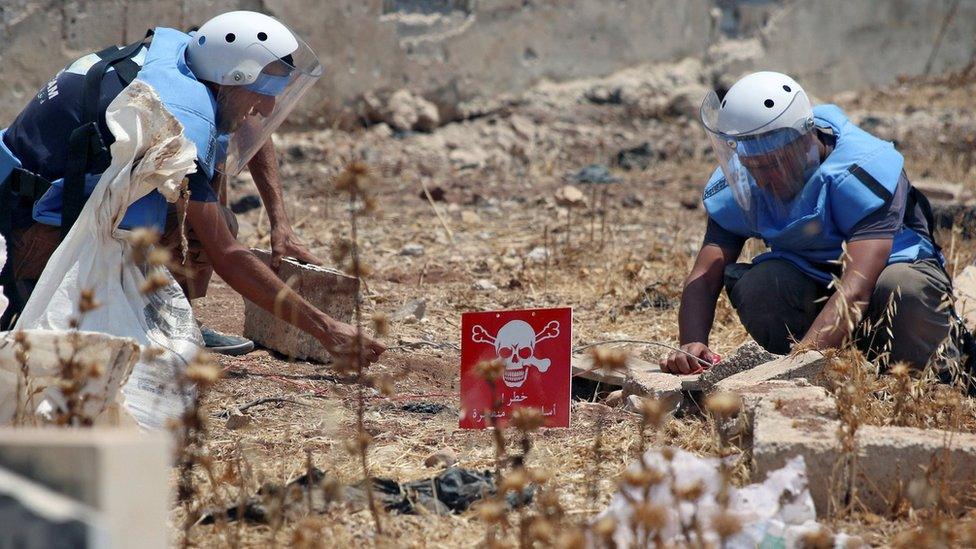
column 121, row 473
column 891, row 461
column 329, row 290
column 964, row 286
column 636, row 368
column 798, row 421
column 804, row 365
column 746, row 357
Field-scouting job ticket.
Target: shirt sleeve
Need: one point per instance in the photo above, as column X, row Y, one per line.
column 200, row 188
column 887, row 220
column 722, row 237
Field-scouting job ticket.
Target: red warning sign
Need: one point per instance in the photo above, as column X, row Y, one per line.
column 534, row 348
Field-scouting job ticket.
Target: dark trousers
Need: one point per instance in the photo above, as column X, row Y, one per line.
column 777, row 303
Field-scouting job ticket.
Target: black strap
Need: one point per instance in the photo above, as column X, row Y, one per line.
column 870, row 182
column 86, row 150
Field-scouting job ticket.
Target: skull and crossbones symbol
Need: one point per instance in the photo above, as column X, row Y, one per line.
column 515, row 345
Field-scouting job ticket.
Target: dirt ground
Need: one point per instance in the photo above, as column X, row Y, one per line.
column 620, row 266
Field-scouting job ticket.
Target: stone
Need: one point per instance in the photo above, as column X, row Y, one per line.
column 595, row 173
column 483, row 285
column 468, row 158
column 570, row 196
column 744, row 358
column 614, row 398
column 964, row 286
column 538, row 255
column 415, row 309
column 470, row 218
column 804, row 365
column 123, row 474
column 412, row 250
column 406, row 111
column 329, row 290
column 442, row 458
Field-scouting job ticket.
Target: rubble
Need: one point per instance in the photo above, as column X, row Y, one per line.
column 412, row 250
column 121, row 474
column 746, row 357
column 804, row 365
column 329, row 290
column 484, row 285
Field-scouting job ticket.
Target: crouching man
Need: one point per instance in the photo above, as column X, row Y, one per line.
column 230, row 84
column 811, row 185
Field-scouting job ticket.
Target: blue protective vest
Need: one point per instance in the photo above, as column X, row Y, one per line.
column 849, row 185
column 187, row 99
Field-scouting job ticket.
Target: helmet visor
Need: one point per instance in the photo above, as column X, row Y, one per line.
column 248, row 114
column 765, row 170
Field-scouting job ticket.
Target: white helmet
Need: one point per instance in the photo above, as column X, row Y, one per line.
column 762, row 132
column 232, row 48
column 763, row 102
column 262, row 68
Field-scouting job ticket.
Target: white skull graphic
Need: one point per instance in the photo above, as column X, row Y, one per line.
column 515, row 345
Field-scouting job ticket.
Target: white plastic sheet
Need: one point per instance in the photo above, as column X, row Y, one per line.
column 149, row 153
column 774, row 513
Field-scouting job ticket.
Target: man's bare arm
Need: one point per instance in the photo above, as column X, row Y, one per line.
column 284, row 242
column 251, row 278
column 697, row 311
column 866, row 259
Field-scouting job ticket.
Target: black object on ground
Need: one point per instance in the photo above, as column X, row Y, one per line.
column 245, row 204
column 423, row 407
column 453, row 490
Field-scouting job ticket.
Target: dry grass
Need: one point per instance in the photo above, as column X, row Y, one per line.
column 625, row 287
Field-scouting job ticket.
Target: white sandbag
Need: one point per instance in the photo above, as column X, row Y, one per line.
column 46, row 351
column 149, row 152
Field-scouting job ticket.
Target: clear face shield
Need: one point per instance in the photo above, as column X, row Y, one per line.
column 249, row 113
column 765, row 169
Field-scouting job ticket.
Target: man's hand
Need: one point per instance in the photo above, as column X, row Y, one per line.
column 340, row 340
column 285, row 243
column 682, row 364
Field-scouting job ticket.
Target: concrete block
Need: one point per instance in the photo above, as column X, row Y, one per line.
column 583, row 367
column 41, row 518
column 804, row 365
column 939, row 190
column 891, row 460
column 327, row 289
column 120, row 473
column 798, row 421
column 964, row 286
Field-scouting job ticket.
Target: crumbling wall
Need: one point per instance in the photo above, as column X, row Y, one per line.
column 453, row 51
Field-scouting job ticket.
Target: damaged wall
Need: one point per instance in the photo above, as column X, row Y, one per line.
column 451, row 51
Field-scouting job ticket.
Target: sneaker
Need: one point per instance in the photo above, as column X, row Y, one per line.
column 224, row 344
